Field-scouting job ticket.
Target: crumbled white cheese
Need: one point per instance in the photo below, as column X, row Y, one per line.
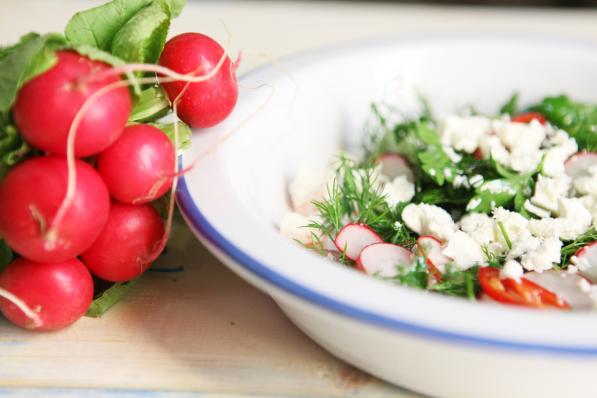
column 545, row 227
column 590, row 203
column 464, row 251
column 544, row 257
column 308, row 185
column 460, row 181
column 548, row 190
column 399, row 190
column 553, row 163
column 561, row 139
column 512, row 269
column 523, row 140
column 479, row 226
column 427, row 219
column 525, row 243
column 587, row 184
column 536, row 210
column 464, row 133
column 514, row 224
column 473, row 204
column 575, row 218
column 497, row 187
column 293, row 226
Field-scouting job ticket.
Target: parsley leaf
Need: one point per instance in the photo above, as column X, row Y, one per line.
column 576, row 118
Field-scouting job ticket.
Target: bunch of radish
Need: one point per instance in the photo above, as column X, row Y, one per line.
column 81, row 202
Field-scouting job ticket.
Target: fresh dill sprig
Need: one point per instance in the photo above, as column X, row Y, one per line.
column 569, row 249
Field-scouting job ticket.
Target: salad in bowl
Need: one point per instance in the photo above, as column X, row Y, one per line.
column 498, row 208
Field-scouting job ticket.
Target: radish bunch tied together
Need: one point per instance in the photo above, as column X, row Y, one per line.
column 85, row 160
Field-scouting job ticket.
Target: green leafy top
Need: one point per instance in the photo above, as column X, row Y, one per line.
column 576, row 118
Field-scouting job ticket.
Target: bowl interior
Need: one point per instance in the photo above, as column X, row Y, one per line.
column 312, row 105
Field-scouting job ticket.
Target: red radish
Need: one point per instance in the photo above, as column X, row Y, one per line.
column 394, row 165
column 46, row 106
column 30, row 196
column 353, row 238
column 383, row 258
column 578, row 164
column 478, row 154
column 59, row 293
column 128, row 245
column 570, row 287
column 207, row 103
column 431, row 248
column 528, row 117
column 587, row 261
column 139, row 166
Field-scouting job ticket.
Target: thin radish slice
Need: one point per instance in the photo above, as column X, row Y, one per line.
column 431, row 248
column 394, row 165
column 571, row 287
column 353, row 238
column 382, row 259
column 586, row 261
column 578, row 165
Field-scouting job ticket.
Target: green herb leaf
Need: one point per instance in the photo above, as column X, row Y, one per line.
column 459, row 283
column 150, row 105
column 510, row 107
column 106, row 299
column 32, row 56
column 142, row 37
column 97, row 26
column 184, row 133
column 576, row 118
column 569, row 249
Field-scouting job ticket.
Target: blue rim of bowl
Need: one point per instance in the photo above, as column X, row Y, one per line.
column 201, row 225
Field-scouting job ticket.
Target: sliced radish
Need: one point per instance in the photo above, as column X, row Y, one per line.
column 578, row 165
column 431, row 248
column 586, row 261
column 394, row 165
column 383, row 258
column 353, row 238
column 571, row 287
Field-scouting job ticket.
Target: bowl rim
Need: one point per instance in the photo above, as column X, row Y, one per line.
column 200, row 224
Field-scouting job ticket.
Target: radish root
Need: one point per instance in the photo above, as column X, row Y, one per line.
column 21, row 305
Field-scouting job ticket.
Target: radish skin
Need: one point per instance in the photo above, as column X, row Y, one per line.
column 30, row 195
column 128, row 244
column 207, row 103
column 57, row 293
column 139, row 167
column 47, row 105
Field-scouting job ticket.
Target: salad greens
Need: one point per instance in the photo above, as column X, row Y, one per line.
column 459, row 182
column 576, row 118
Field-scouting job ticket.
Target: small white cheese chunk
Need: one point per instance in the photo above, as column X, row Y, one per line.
column 549, row 189
column 399, row 190
column 544, row 257
column 536, row 210
column 427, row 219
column 513, row 223
column 545, row 227
column 464, row 251
column 575, row 219
column 523, row 141
column 308, row 185
column 479, row 226
column 587, row 185
column 524, row 244
column 294, row 226
column 512, row 269
column 464, row 133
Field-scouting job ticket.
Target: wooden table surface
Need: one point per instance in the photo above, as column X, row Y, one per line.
column 204, row 331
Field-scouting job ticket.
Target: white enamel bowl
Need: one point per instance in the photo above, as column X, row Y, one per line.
column 436, row 345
